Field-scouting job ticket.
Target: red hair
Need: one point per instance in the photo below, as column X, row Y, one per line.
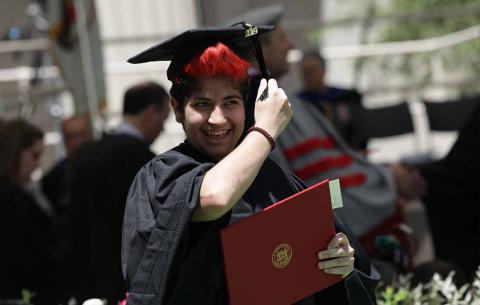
column 218, row 60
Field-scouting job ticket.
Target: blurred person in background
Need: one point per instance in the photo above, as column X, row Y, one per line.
column 26, row 229
column 102, row 172
column 336, row 104
column 76, row 131
column 374, row 195
column 313, row 149
column 453, row 199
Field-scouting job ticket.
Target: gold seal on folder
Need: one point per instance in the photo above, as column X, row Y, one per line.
column 282, row 255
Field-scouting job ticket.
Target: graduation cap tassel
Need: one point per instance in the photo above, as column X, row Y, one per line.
column 252, row 32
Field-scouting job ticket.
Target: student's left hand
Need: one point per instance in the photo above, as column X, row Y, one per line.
column 338, row 258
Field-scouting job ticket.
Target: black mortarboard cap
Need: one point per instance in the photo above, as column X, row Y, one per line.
column 269, row 15
column 182, row 48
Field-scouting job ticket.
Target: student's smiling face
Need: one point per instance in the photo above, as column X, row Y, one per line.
column 213, row 116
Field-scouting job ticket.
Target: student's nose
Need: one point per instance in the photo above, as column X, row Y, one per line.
column 216, row 116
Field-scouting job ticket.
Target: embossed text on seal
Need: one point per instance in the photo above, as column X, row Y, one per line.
column 281, row 256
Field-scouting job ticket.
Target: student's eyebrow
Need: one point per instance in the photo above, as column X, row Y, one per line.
column 201, row 98
column 232, row 96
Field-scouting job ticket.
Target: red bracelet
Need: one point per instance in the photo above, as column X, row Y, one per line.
column 265, row 134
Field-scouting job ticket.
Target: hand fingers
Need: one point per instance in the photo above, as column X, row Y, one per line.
column 416, row 184
column 415, row 188
column 344, row 271
column 415, row 175
column 340, row 240
column 336, row 262
column 261, row 88
column 342, row 266
column 272, row 86
column 281, row 94
column 420, row 191
column 335, row 252
column 419, row 180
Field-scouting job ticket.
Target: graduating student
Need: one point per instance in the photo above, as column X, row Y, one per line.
column 181, row 199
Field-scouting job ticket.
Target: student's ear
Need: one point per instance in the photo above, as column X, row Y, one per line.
column 178, row 109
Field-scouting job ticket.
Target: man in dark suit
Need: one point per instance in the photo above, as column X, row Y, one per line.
column 102, row 174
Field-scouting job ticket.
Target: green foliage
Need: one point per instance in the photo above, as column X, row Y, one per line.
column 392, row 297
column 27, row 297
column 438, row 291
column 440, row 17
column 427, row 26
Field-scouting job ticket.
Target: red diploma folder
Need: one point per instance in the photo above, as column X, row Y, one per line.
column 270, row 258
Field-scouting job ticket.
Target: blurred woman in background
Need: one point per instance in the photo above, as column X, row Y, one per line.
column 25, row 229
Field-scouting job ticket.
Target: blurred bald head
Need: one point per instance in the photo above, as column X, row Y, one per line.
column 276, row 44
column 313, row 70
column 275, row 50
column 76, row 131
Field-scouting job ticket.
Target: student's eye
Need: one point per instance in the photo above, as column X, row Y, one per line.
column 232, row 102
column 200, row 104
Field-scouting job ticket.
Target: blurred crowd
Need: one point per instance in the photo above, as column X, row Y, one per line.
column 62, row 234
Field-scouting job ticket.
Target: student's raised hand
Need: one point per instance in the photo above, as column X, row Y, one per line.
column 274, row 112
column 338, row 258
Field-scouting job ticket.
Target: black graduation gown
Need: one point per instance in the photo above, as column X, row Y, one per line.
column 26, row 239
column 54, row 185
column 166, row 259
column 453, row 199
column 101, row 176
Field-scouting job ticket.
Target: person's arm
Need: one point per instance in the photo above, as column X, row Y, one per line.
column 225, row 183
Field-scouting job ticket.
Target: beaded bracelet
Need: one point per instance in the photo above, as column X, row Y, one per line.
column 265, row 134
